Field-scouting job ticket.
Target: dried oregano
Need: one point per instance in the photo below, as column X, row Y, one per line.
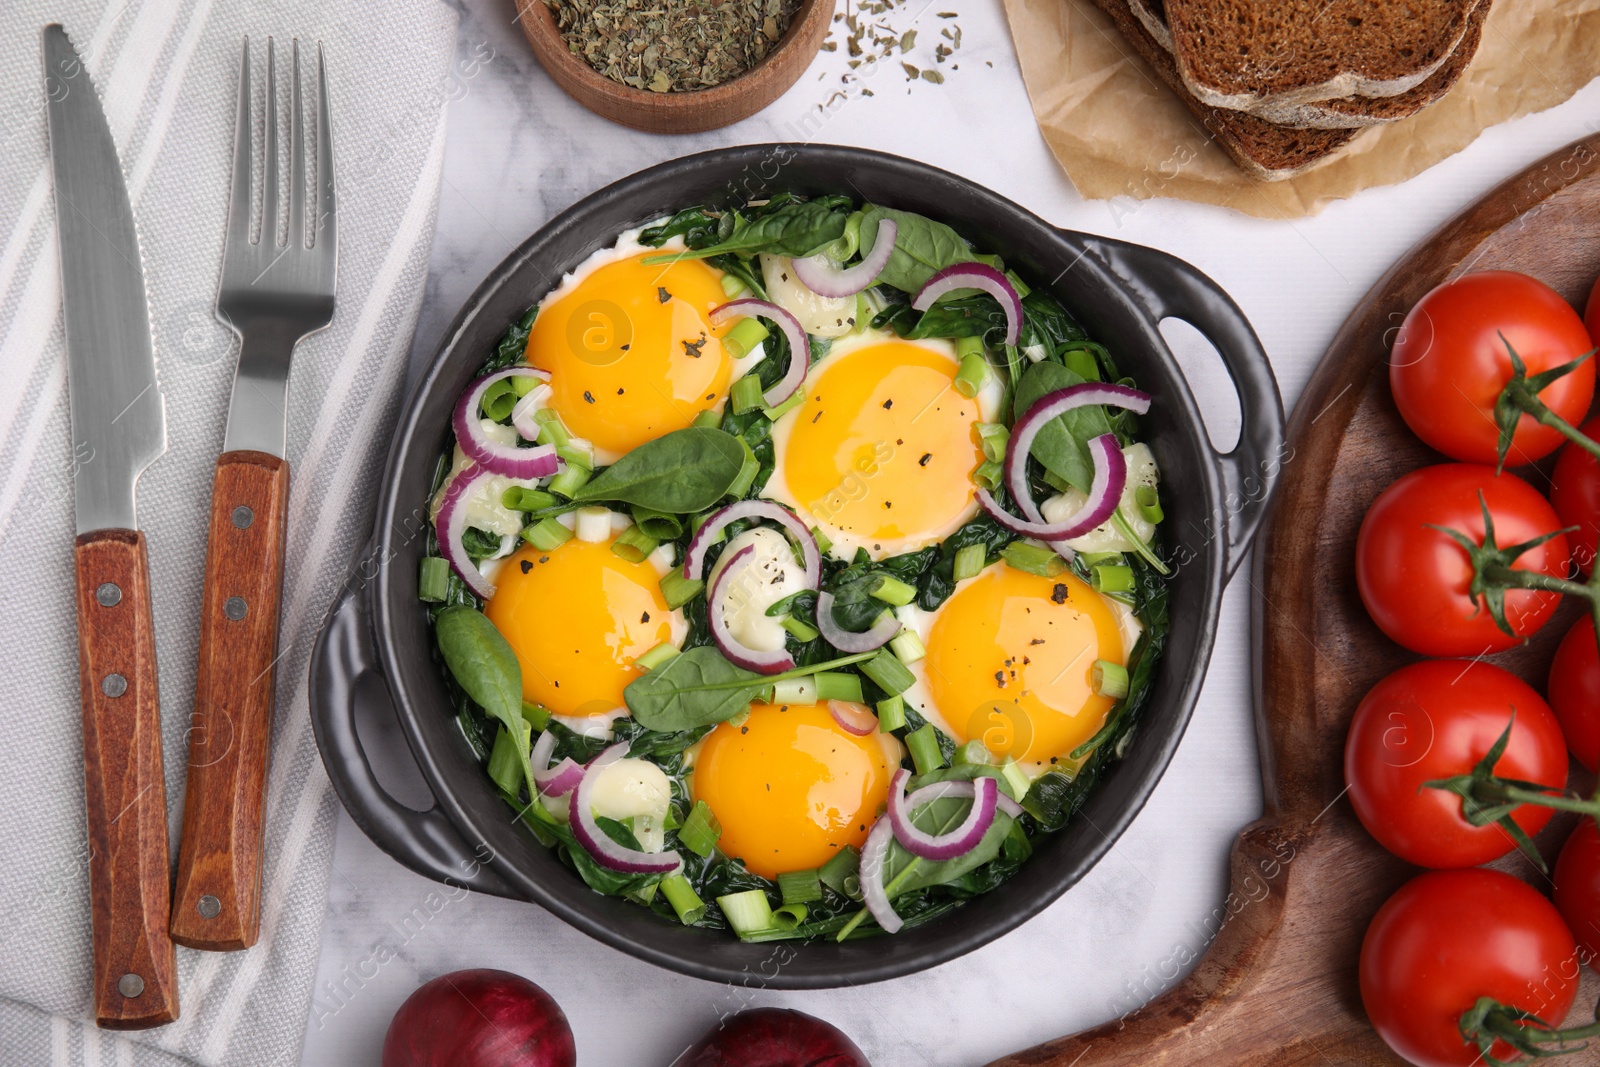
column 672, row 45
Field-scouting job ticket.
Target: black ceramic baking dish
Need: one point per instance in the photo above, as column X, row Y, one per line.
column 376, row 647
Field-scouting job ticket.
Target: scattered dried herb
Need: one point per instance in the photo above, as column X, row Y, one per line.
column 672, row 45
column 877, row 30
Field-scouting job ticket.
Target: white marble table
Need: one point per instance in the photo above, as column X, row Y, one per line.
column 519, row 151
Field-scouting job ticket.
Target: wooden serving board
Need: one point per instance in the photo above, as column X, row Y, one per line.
column 1278, row 984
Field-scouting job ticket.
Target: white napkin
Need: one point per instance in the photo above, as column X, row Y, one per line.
column 166, row 71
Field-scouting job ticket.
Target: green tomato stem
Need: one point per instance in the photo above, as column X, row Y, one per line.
column 1489, row 1021
column 1529, row 403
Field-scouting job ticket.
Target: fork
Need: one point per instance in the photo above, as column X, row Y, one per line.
column 271, row 295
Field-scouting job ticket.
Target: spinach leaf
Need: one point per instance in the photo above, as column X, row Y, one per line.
column 700, row 687
column 756, row 430
column 747, row 271
column 940, row 817
column 603, row 879
column 793, row 229
column 697, row 226
column 1045, row 322
column 693, row 689
column 854, row 606
column 1063, row 443
column 482, row 663
column 973, row 315
column 922, row 247
column 680, row 473
column 512, row 346
column 479, row 544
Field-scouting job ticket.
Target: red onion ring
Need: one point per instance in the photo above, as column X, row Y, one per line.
column 975, row 276
column 554, row 781
column 849, row 640
column 855, row 719
column 513, row 461
column 596, row 841
column 983, row 790
column 1110, row 476
column 874, row 864
column 740, row 655
column 1040, row 413
column 799, row 343
column 694, row 559
column 824, row 279
column 451, row 523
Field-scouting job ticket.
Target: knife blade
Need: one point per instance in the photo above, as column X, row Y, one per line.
column 118, row 429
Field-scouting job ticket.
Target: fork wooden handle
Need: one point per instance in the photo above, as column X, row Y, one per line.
column 217, row 904
column 135, row 981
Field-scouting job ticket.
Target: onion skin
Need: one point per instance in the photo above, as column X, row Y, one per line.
column 480, row 1018
column 772, row 1037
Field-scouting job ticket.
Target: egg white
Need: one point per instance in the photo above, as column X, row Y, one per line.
column 989, row 400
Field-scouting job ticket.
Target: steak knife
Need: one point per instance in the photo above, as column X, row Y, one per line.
column 118, row 429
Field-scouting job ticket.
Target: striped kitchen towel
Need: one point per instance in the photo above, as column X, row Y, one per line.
column 166, row 71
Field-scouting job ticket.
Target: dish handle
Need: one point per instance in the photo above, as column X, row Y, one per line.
column 1168, row 287
column 345, row 675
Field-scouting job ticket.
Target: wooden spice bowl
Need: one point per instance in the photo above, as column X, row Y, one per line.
column 679, row 112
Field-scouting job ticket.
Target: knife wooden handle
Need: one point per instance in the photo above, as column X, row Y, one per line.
column 130, row 879
column 217, row 904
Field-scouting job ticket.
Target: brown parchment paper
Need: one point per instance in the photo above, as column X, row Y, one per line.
column 1117, row 130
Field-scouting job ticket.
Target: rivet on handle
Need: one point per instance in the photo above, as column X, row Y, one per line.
column 130, row 985
column 243, row 517
column 109, row 594
column 235, row 608
column 114, row 685
column 208, row 906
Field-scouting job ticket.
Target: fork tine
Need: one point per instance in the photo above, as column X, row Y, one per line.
column 327, row 236
column 269, row 170
column 239, row 213
column 297, row 159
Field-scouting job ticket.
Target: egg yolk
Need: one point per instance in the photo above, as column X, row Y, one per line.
column 791, row 787
column 1009, row 661
column 631, row 350
column 577, row 617
column 883, row 447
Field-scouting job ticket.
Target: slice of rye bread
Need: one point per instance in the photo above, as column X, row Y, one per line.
column 1261, row 149
column 1243, row 54
column 1352, row 112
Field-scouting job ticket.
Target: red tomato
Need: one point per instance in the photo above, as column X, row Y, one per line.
column 1447, row 938
column 1437, row 719
column 1575, row 492
column 1577, row 892
column 1575, row 692
column 1449, row 364
column 1414, row 579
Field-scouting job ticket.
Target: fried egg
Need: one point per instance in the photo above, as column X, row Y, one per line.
column 791, row 787
column 630, row 347
column 578, row 616
column 1008, row 663
column 880, row 453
